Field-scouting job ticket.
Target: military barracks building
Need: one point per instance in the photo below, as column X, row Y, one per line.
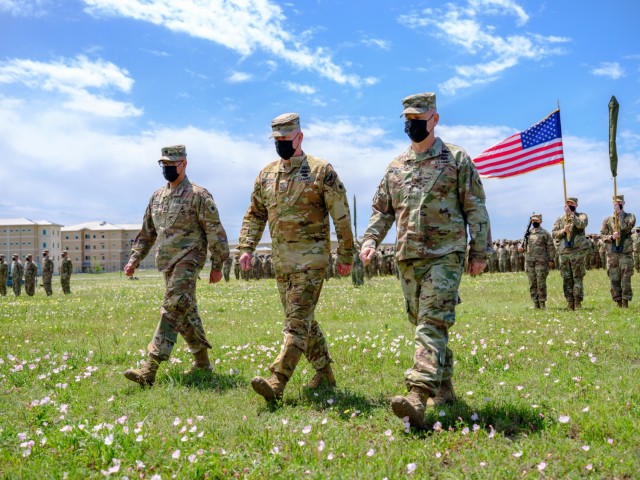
column 91, row 247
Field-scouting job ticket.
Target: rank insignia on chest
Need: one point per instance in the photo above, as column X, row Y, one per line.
column 282, row 186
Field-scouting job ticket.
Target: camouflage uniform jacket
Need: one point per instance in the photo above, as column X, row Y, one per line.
column 30, row 270
column 635, row 238
column 47, row 267
column 626, row 222
column 4, row 270
column 578, row 222
column 540, row 246
column 17, row 271
column 296, row 198
column 432, row 196
column 66, row 267
column 183, row 221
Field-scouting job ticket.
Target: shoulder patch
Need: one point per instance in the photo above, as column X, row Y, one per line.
column 330, row 178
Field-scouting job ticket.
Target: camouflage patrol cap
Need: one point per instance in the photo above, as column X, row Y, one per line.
column 284, row 124
column 29, row 256
column 536, row 217
column 618, row 198
column 64, row 253
column 572, row 199
column 15, row 255
column 45, row 251
column 419, row 103
column 173, row 153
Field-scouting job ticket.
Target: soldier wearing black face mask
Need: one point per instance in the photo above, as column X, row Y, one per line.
column 539, row 256
column 183, row 221
column 568, row 230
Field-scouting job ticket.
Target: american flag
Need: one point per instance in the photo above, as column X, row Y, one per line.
column 536, row 147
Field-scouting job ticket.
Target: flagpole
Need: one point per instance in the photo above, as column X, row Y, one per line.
column 564, row 184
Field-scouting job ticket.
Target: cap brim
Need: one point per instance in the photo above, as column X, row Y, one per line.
column 414, row 111
column 169, row 159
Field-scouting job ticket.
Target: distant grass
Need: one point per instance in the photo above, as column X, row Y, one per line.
column 542, row 394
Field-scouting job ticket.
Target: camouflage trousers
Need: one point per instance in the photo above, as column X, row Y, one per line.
column 30, row 286
column 299, row 293
column 636, row 261
column 179, row 312
column 620, row 271
column 537, row 273
column 572, row 271
column 430, row 288
column 65, row 281
column 46, row 283
column 226, row 272
column 357, row 274
column 17, row 286
column 3, row 286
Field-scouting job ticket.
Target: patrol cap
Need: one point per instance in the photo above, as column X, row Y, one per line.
column 29, row 256
column 572, row 199
column 618, row 198
column 45, row 251
column 419, row 103
column 15, row 255
column 284, row 124
column 64, row 253
column 173, row 153
column 536, row 217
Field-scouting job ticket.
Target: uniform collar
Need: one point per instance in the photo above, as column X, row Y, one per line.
column 294, row 162
column 181, row 186
column 434, row 151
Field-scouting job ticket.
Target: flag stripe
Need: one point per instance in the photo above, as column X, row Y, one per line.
column 537, row 147
column 516, row 156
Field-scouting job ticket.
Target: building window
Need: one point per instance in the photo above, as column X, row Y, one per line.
column 44, row 232
column 87, row 236
column 44, row 244
column 66, row 237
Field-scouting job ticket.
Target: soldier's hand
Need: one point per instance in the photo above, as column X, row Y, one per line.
column 567, row 229
column 344, row 269
column 129, row 269
column 476, row 267
column 550, row 264
column 366, row 254
column 616, row 235
column 215, row 276
column 520, row 249
column 245, row 261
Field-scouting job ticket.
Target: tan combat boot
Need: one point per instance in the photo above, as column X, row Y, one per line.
column 271, row 388
column 201, row 364
column 577, row 305
column 625, row 303
column 445, row 394
column 322, row 376
column 536, row 304
column 571, row 306
column 619, row 302
column 542, row 305
column 411, row 406
column 146, row 374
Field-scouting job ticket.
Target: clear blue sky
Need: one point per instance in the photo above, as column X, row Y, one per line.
column 91, row 90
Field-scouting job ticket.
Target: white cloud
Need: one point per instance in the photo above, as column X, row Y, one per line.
column 377, row 42
column 244, row 26
column 464, row 27
column 612, row 70
column 239, row 77
column 298, row 88
column 24, row 8
column 73, row 79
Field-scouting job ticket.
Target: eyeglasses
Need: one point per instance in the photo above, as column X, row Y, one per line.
column 164, row 163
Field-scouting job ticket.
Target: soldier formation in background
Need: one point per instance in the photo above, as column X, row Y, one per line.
column 47, row 272
column 17, row 273
column 66, row 267
column 4, row 274
column 30, row 275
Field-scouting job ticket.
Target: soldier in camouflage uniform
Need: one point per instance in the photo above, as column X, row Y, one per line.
column 434, row 194
column 539, row 254
column 569, row 231
column 183, row 220
column 503, row 257
column 295, row 195
column 30, row 274
column 66, row 267
column 4, row 273
column 635, row 238
column 226, row 268
column 17, row 273
column 357, row 274
column 619, row 252
column 47, row 272
column 236, row 266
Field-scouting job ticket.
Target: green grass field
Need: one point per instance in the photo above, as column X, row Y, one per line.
column 542, row 394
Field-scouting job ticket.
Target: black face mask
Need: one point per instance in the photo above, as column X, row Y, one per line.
column 170, row 173
column 535, row 224
column 416, row 129
column 572, row 208
column 285, row 149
